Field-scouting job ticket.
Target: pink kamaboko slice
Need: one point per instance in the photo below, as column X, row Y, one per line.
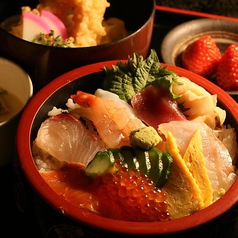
column 33, row 25
column 66, row 138
column 55, row 24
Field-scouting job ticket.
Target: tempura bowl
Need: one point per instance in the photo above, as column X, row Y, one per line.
column 88, row 78
column 44, row 63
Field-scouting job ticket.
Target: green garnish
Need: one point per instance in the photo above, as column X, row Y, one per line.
column 127, row 79
column 153, row 162
column 51, row 40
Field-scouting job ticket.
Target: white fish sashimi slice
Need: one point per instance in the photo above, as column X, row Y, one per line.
column 66, row 139
column 221, row 170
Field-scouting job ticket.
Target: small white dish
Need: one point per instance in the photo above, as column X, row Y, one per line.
column 15, row 91
column 224, row 32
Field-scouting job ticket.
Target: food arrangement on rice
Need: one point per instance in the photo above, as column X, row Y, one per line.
column 69, row 23
column 149, row 145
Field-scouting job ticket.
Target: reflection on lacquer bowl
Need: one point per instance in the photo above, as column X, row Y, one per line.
column 88, row 79
column 44, row 63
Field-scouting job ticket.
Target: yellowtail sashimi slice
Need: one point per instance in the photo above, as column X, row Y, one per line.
column 65, row 138
column 221, row 171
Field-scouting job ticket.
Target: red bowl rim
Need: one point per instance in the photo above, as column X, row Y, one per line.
column 45, row 192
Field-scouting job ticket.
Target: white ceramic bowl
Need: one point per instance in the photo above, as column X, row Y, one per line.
column 18, row 86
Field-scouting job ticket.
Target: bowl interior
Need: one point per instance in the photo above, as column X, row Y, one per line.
column 44, row 63
column 89, row 78
column 9, row 8
column 19, row 89
column 17, row 83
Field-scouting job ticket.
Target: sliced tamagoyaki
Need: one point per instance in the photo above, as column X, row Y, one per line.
column 195, row 162
column 183, row 194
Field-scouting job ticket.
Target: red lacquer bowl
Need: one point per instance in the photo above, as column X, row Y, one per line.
column 88, row 78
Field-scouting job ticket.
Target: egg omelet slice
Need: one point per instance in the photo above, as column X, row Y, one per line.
column 195, row 162
column 183, row 194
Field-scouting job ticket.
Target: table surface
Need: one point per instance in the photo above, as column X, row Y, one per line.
column 25, row 222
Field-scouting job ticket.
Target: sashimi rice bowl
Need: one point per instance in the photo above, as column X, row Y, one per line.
column 132, row 146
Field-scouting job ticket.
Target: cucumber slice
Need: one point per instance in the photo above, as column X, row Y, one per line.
column 142, row 157
column 167, row 161
column 128, row 154
column 155, row 171
column 115, row 152
column 101, row 163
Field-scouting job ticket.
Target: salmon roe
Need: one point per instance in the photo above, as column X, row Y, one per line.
column 137, row 195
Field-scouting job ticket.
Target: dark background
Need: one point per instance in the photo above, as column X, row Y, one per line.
column 218, row 7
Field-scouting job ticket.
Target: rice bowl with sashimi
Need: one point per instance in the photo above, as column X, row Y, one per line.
column 137, row 147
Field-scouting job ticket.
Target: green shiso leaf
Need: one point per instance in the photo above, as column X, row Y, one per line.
column 127, row 79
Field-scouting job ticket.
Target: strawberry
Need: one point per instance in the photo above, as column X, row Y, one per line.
column 202, row 56
column 227, row 69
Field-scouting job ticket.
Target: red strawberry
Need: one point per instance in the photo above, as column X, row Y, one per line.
column 227, row 69
column 202, row 56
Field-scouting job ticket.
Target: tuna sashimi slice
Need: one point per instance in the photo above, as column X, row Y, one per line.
column 155, row 105
column 221, row 171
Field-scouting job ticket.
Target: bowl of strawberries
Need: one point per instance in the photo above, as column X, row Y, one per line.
column 128, row 148
column 207, row 47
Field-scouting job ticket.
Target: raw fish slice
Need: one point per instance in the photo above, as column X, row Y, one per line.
column 154, row 105
column 74, row 186
column 67, row 182
column 65, row 138
column 113, row 118
column 221, row 171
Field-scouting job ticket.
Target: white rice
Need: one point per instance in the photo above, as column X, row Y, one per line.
column 227, row 135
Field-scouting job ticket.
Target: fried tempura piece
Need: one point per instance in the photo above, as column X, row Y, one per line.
column 88, row 17
column 63, row 9
column 83, row 19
